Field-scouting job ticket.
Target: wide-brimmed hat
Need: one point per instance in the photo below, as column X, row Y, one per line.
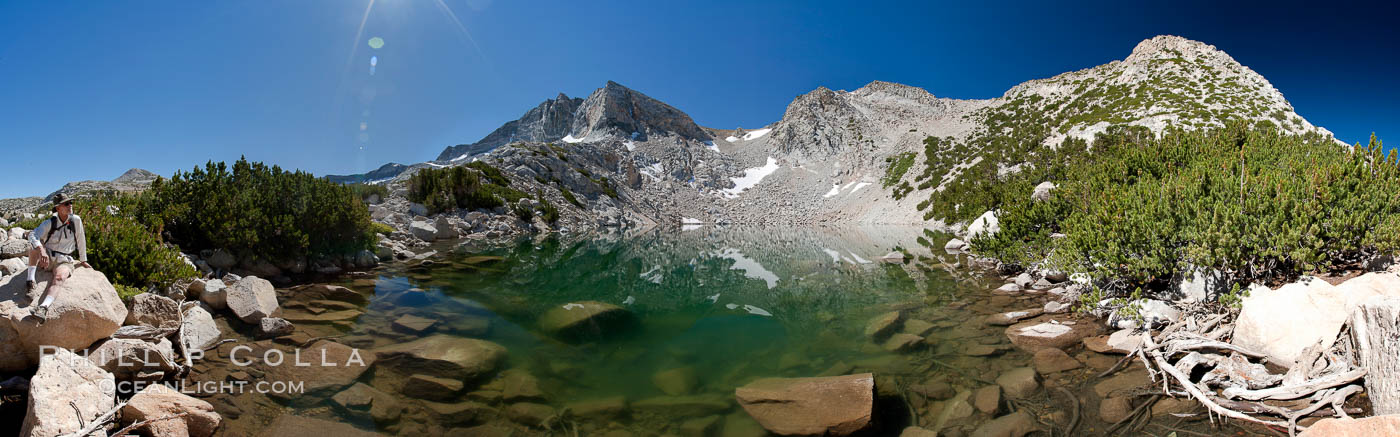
column 60, row 199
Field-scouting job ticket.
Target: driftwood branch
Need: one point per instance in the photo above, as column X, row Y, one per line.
column 97, row 423
column 1295, row 391
column 1196, row 392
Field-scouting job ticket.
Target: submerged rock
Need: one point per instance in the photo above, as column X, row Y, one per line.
column 1015, row 424
column 585, row 319
column 882, row 324
column 836, row 405
column 1033, row 336
column 676, row 382
column 443, row 356
column 1019, row 383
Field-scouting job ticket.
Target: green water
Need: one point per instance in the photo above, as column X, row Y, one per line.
column 730, row 305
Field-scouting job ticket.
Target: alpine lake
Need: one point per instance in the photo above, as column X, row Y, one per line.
column 703, row 311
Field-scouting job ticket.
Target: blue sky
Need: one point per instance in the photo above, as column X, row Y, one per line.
column 90, row 89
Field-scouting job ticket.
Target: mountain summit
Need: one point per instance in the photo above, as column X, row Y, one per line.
column 611, row 111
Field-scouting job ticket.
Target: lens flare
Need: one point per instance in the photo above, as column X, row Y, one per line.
column 376, row 43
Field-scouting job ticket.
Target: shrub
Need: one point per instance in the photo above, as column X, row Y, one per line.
column 460, row 187
column 1250, row 201
column 131, row 255
column 363, row 191
column 256, row 210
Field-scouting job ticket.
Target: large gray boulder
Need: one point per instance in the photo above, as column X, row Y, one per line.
column 1042, row 191
column 834, row 405
column 89, row 310
column 252, row 299
column 67, row 392
column 13, row 248
column 153, row 310
column 199, row 327
column 213, row 293
column 221, row 260
column 157, row 401
column 985, row 225
column 13, row 266
column 1282, row 322
column 423, row 230
column 127, row 358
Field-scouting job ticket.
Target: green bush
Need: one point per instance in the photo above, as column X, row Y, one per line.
column 131, row 255
column 460, row 187
column 363, row 191
column 257, row 210
column 1252, row 202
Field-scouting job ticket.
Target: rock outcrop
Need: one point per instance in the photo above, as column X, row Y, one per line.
column 252, row 299
column 158, row 401
column 88, row 310
column 67, row 392
column 1272, row 323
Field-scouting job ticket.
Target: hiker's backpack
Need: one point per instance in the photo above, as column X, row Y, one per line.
column 53, row 226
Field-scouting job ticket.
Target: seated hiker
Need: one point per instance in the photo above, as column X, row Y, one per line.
column 54, row 243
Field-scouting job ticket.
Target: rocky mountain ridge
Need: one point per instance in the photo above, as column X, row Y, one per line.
column 814, row 165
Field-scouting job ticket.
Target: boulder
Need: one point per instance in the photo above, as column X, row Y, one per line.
column 1033, row 336
column 67, row 392
column 588, row 319
column 153, row 310
column 987, row 399
column 256, row 266
column 13, row 266
column 1010, row 287
column 1376, row 426
column 1042, row 191
column 13, row 248
column 252, row 299
column 214, row 293
column 17, row 233
column 417, row 209
column 1051, row 360
column 1015, row 424
column 423, row 230
column 89, row 310
column 157, row 401
column 445, row 229
column 892, row 258
column 411, row 324
column 607, row 408
column 1019, row 383
column 882, row 325
column 676, row 382
column 1008, row 318
column 200, row 329
column 443, row 356
column 324, row 367
column 431, row 387
column 835, row 405
column 1055, row 307
column 1114, row 409
column 382, row 407
column 365, row 259
column 1154, row 313
column 984, row 225
column 902, row 342
column 221, row 260
column 127, row 358
column 955, row 245
column 519, row 385
column 328, row 292
column 273, row 327
column 1281, row 323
